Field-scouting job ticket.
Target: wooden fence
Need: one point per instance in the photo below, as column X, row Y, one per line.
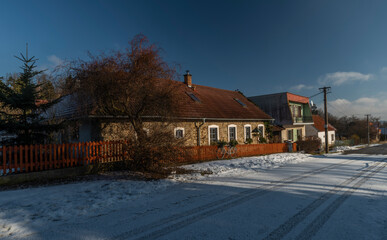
column 33, row 158
column 205, row 153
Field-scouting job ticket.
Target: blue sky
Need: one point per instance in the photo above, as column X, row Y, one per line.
column 258, row 47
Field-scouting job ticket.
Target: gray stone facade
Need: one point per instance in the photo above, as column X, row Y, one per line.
column 116, row 130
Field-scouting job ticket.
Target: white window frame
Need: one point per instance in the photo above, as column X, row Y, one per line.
column 179, row 128
column 263, row 132
column 244, row 130
column 228, row 132
column 209, row 134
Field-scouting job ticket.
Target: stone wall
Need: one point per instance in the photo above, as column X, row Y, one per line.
column 121, row 130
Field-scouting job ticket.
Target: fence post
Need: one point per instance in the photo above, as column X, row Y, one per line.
column 88, row 150
column 33, row 165
column 91, row 148
column 37, row 160
column 4, row 150
column 10, row 151
column 21, row 163
column 78, row 153
column 83, row 153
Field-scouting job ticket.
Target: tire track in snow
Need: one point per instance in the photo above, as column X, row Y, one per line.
column 323, row 217
column 180, row 220
column 293, row 221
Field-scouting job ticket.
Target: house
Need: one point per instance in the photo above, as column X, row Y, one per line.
column 205, row 115
column 318, row 130
column 290, row 111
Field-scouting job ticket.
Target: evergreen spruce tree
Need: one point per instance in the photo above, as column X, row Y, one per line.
column 22, row 107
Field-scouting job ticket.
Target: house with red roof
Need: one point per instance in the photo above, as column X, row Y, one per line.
column 205, row 115
column 318, row 130
column 291, row 112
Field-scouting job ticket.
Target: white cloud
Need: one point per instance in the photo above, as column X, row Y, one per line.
column 300, row 87
column 55, row 61
column 340, row 78
column 358, row 107
column 341, row 102
column 384, row 70
column 366, row 101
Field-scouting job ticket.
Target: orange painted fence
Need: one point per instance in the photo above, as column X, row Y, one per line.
column 205, row 153
column 33, row 158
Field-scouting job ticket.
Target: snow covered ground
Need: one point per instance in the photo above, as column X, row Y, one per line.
column 281, row 195
column 346, row 148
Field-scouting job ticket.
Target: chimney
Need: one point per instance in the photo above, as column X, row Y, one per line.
column 188, row 79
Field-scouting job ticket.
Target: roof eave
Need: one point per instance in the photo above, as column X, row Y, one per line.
column 189, row 118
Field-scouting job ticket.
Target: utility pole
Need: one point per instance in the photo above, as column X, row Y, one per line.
column 368, row 129
column 326, row 89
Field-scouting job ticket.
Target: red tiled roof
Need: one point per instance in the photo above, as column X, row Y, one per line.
column 297, row 98
column 319, row 123
column 216, row 103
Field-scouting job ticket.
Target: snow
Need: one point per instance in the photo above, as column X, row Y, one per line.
column 241, row 165
column 244, row 198
column 62, row 203
column 344, row 148
column 347, row 148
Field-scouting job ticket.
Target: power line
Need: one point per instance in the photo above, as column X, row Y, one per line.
column 315, row 94
column 341, row 110
column 345, row 112
column 337, row 109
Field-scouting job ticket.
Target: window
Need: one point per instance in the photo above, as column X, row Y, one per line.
column 296, row 110
column 299, row 111
column 179, row 132
column 247, row 132
column 261, row 129
column 333, row 137
column 240, row 102
column 232, row 132
column 299, row 133
column 193, row 97
column 213, row 135
column 290, row 135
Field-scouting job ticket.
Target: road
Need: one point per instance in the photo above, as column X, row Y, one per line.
column 380, row 149
column 324, row 197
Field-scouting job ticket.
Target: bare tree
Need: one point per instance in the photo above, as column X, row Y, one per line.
column 134, row 83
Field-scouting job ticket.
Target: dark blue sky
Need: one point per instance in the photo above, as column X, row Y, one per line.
column 259, row 47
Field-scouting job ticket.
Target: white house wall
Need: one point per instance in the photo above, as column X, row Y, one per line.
column 321, row 135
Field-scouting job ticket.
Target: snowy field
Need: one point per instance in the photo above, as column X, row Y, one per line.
column 289, row 195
